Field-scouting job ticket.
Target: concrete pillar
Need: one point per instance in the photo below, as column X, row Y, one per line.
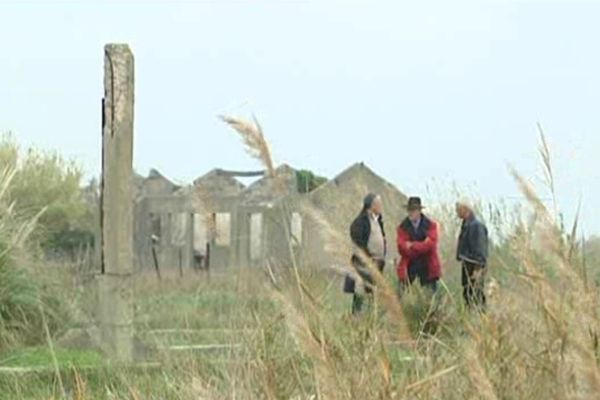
column 116, row 206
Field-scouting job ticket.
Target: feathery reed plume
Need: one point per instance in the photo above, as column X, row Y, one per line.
column 545, row 154
column 574, row 232
column 254, row 140
column 551, row 233
column 566, row 310
column 26, row 227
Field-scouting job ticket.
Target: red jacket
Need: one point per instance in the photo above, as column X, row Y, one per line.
column 427, row 249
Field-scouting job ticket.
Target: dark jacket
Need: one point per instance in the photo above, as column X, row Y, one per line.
column 360, row 232
column 424, row 249
column 473, row 242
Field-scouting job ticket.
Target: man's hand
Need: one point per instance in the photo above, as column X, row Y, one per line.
column 409, row 245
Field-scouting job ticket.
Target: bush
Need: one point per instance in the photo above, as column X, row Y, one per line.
column 22, row 298
column 45, row 180
column 308, row 181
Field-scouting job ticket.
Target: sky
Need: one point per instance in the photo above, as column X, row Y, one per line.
column 426, row 93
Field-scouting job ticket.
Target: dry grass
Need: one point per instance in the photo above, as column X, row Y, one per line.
column 539, row 338
column 254, row 140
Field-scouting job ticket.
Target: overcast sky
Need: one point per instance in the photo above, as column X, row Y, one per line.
column 416, row 89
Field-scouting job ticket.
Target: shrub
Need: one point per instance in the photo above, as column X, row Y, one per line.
column 22, row 298
column 45, row 180
column 308, row 181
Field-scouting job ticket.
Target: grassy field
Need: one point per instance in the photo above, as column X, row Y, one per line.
column 288, row 334
column 249, row 347
column 293, row 338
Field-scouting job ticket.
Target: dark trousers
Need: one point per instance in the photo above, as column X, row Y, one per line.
column 358, row 300
column 420, row 272
column 473, row 282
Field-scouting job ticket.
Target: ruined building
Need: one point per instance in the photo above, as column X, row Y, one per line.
column 218, row 222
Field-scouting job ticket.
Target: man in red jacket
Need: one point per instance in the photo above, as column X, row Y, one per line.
column 417, row 239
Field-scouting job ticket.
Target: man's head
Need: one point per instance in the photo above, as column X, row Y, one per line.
column 464, row 209
column 373, row 204
column 414, row 208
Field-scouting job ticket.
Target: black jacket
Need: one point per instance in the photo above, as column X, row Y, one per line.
column 473, row 242
column 360, row 232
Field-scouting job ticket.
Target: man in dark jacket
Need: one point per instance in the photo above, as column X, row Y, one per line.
column 368, row 236
column 417, row 243
column 472, row 252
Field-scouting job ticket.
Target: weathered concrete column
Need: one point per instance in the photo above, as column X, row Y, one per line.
column 115, row 289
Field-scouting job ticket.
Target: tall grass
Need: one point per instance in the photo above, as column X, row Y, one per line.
column 21, row 296
column 538, row 340
column 294, row 337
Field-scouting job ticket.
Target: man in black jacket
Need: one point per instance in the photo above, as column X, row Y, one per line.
column 368, row 236
column 472, row 252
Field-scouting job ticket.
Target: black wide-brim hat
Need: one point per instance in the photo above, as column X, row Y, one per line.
column 414, row 203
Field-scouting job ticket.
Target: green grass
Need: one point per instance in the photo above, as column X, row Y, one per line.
column 40, row 357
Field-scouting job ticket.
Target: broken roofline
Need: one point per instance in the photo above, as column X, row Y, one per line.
column 234, row 174
column 344, row 175
column 262, row 173
column 358, row 166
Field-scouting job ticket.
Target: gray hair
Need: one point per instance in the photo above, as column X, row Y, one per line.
column 369, row 200
column 466, row 203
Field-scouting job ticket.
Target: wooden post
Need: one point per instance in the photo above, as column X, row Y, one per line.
column 181, row 262
column 116, row 205
column 155, row 261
